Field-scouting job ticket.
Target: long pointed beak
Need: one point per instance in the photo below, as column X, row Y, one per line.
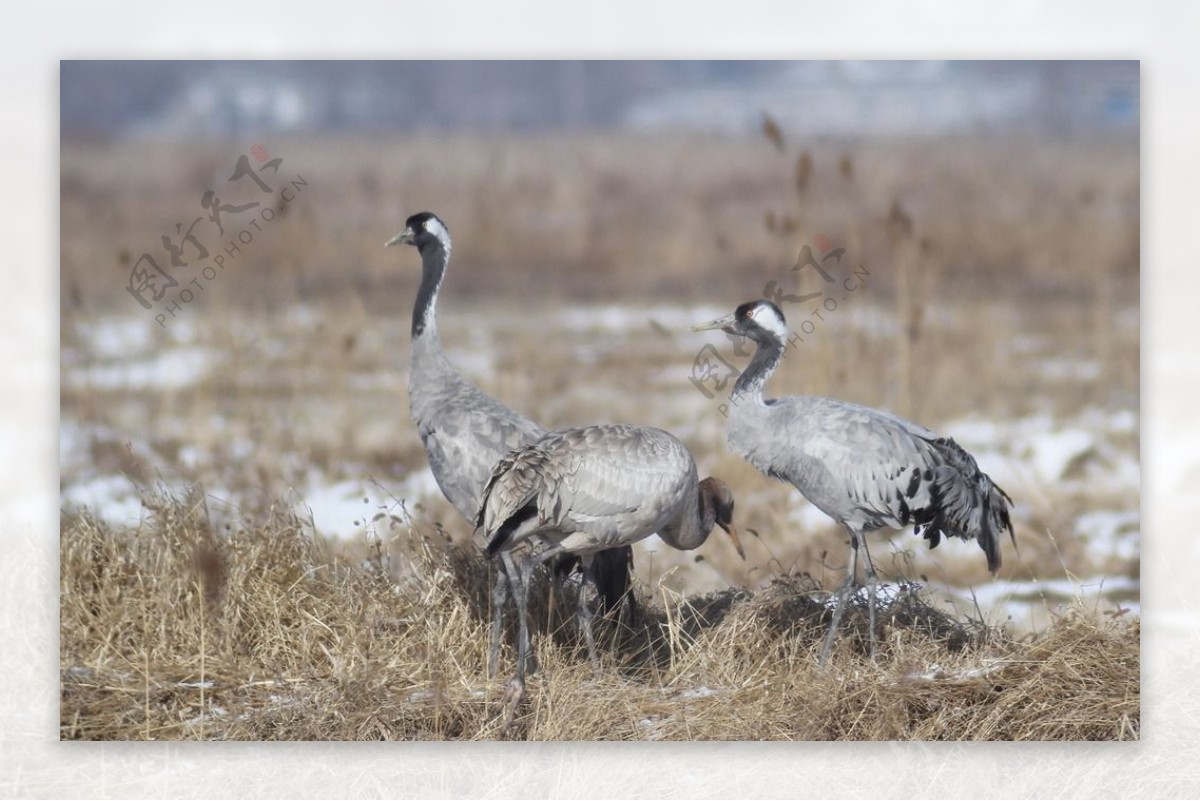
column 405, row 237
column 720, row 323
column 732, row 531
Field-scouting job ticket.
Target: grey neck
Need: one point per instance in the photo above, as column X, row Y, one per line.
column 692, row 528
column 750, row 383
column 434, row 258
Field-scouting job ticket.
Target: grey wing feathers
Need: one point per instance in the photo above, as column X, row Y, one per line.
column 608, row 470
column 577, row 476
column 940, row 491
column 619, row 470
column 512, row 494
column 877, row 470
column 517, row 479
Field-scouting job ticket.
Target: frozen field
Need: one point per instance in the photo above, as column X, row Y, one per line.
column 307, row 406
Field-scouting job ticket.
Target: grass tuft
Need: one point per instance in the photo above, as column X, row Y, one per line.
column 265, row 632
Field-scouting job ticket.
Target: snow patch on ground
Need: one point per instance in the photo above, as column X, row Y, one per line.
column 117, row 337
column 808, row 517
column 175, row 369
column 1115, row 533
column 616, row 319
column 344, row 509
column 1053, row 454
column 358, row 507
column 112, row 499
column 418, row 485
column 1038, row 449
column 1016, row 600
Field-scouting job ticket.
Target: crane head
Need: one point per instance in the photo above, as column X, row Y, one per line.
column 420, row 230
column 758, row 319
column 718, row 494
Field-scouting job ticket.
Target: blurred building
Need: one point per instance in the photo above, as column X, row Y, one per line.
column 840, row 98
column 850, row 98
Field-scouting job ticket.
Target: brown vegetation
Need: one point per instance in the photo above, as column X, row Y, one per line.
column 264, row 632
column 616, row 217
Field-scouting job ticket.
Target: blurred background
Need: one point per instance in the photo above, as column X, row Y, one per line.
column 989, row 211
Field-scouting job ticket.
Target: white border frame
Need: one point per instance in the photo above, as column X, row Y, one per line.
column 1161, row 35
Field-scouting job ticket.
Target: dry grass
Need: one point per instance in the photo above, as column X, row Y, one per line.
column 262, row 631
column 998, row 266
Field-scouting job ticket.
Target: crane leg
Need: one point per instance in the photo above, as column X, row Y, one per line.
column 840, row 606
column 518, row 587
column 530, row 662
column 519, row 580
column 583, row 612
column 871, row 585
column 499, row 597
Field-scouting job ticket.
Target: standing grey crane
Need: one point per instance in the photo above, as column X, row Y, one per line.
column 587, row 490
column 465, row 431
column 865, row 468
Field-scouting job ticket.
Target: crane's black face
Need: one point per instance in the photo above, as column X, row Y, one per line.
column 420, row 230
column 719, row 495
column 759, row 320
